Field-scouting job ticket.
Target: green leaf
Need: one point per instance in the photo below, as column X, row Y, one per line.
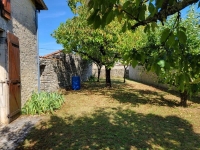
column 154, row 25
column 171, row 2
column 182, row 37
column 124, row 28
column 97, row 22
column 134, row 63
column 171, row 40
column 126, row 4
column 92, row 17
column 129, row 25
column 103, row 20
column 164, row 35
column 142, row 13
column 161, row 63
column 119, row 17
column 137, row 2
column 90, row 5
column 147, row 29
column 151, row 9
column 159, row 3
column 183, row 29
column 196, row 81
column 109, row 17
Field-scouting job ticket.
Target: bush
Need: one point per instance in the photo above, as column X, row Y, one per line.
column 42, row 103
column 92, row 78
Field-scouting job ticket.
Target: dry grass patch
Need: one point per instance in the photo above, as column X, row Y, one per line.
column 126, row 116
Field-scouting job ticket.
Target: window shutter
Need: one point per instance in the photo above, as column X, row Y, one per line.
column 6, row 11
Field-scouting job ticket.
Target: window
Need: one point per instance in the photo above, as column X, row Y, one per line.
column 6, row 9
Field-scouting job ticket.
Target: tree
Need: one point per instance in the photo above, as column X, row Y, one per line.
column 143, row 12
column 175, row 57
column 102, row 46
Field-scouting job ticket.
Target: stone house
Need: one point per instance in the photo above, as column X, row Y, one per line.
column 19, row 65
column 58, row 68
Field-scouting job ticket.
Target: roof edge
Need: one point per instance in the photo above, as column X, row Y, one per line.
column 53, row 53
column 40, row 5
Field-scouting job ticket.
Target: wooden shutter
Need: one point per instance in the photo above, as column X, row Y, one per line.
column 6, row 10
column 14, row 81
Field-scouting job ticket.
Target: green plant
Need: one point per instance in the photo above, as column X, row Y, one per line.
column 92, row 78
column 43, row 102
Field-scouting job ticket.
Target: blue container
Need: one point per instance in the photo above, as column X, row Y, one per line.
column 76, row 83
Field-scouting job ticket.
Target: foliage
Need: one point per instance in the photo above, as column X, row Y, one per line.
column 92, row 78
column 175, row 57
column 133, row 14
column 102, row 46
column 43, row 103
column 146, row 12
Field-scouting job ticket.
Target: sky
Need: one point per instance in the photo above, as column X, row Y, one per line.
column 48, row 21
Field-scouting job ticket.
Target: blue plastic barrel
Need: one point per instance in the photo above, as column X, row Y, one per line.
column 76, row 83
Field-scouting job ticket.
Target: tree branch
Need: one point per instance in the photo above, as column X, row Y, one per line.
column 89, row 56
column 163, row 13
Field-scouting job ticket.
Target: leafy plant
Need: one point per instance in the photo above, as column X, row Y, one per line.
column 92, row 78
column 43, row 102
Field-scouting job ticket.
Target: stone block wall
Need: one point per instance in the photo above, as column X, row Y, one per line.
column 56, row 70
column 23, row 25
column 116, row 72
column 141, row 75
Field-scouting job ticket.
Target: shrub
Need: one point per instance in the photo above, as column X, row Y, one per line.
column 92, row 78
column 43, row 102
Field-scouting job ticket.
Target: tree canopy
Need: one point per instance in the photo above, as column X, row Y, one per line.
column 102, row 46
column 175, row 57
column 142, row 12
column 169, row 45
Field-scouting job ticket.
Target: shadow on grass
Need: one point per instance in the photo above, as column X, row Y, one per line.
column 137, row 97
column 125, row 93
column 114, row 129
column 194, row 98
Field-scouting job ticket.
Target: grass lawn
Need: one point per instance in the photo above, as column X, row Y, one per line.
column 127, row 116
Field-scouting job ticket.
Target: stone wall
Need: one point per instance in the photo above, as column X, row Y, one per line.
column 23, row 25
column 140, row 74
column 116, row 72
column 56, row 70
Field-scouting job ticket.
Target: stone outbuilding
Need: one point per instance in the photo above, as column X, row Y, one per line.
column 58, row 68
column 19, row 60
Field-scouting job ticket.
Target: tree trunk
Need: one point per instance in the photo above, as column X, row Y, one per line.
column 125, row 67
column 99, row 72
column 108, row 80
column 184, row 97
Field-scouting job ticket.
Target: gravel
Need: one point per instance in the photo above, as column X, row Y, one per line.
column 15, row 132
